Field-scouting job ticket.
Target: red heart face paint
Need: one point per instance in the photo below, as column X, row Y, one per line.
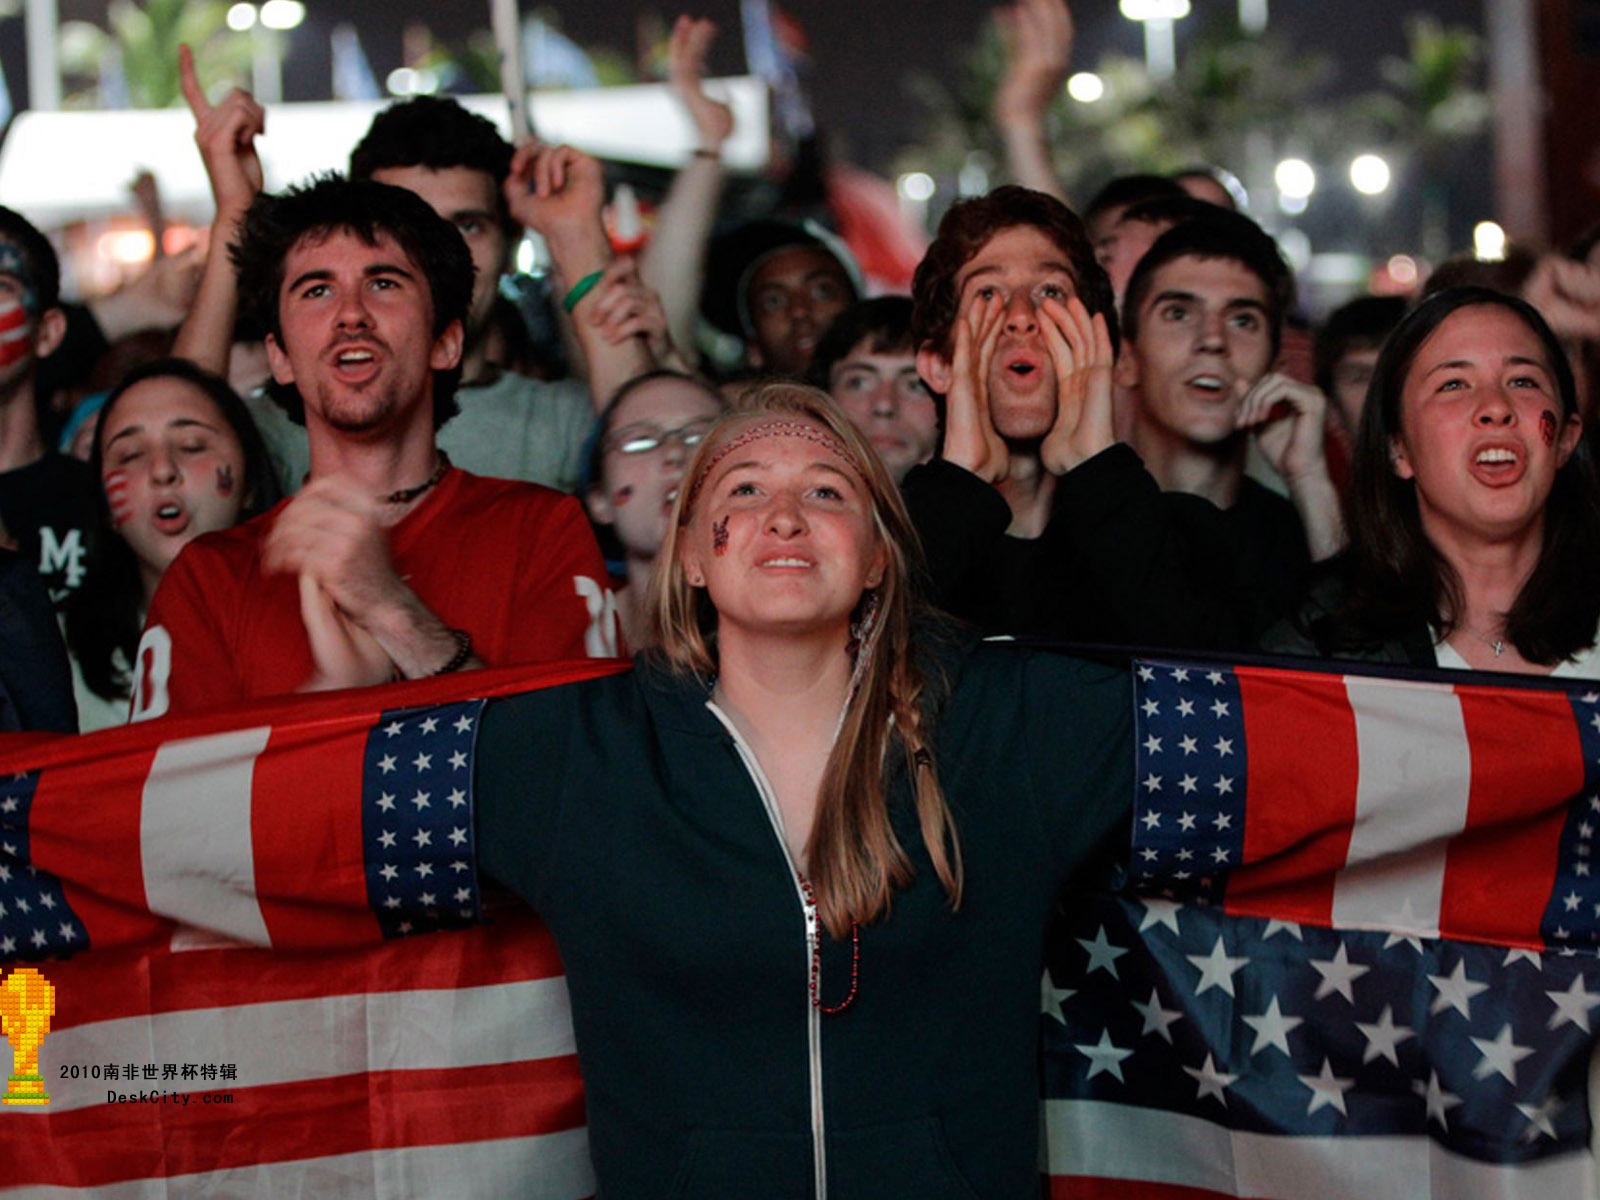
column 1547, row 427
column 117, row 499
column 719, row 536
column 225, row 479
column 622, row 495
column 16, row 334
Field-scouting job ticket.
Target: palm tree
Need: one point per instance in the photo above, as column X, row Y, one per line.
column 135, row 64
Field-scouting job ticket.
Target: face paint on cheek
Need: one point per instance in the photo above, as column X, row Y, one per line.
column 116, row 485
column 1547, row 427
column 16, row 336
column 719, row 536
column 622, row 495
column 225, row 479
column 13, row 264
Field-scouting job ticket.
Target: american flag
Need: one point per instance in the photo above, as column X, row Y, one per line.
column 1357, row 956
column 282, row 1031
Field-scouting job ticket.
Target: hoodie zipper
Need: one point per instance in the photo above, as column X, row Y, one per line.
column 769, row 801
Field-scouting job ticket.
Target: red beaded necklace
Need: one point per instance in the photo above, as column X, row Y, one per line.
column 829, row 1010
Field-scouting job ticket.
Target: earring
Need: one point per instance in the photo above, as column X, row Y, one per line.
column 697, row 580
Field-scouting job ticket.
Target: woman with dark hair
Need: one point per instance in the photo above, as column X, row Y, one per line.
column 1475, row 514
column 177, row 455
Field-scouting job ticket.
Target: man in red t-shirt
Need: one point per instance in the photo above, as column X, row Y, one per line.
column 389, row 563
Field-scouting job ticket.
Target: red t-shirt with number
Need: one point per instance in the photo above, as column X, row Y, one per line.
column 513, row 564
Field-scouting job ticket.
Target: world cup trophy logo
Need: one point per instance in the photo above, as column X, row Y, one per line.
column 27, row 1002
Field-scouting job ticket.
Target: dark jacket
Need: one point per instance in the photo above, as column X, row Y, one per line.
column 1313, row 630
column 621, row 809
column 1120, row 561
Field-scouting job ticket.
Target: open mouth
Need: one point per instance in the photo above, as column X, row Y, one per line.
column 1498, row 465
column 1213, row 384
column 170, row 518
column 788, row 563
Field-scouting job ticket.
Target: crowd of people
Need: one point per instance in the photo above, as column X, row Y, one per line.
column 1107, row 428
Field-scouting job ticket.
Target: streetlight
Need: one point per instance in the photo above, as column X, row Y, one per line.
column 264, row 23
column 1086, row 87
column 1296, row 180
column 1488, row 242
column 1158, row 18
column 1369, row 174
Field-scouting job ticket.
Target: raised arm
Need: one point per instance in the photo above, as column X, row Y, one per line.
column 1037, row 35
column 558, row 191
column 225, row 134
column 674, row 262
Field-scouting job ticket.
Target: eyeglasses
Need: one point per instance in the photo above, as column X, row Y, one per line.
column 643, row 439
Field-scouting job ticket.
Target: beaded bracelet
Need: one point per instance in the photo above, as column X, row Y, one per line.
column 581, row 289
column 702, row 152
column 462, row 654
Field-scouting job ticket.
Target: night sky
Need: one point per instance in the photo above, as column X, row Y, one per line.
column 863, row 49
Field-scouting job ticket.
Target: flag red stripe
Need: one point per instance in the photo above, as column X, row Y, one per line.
column 1285, row 711
column 110, row 1143
column 1483, row 900
column 309, row 777
column 81, row 806
column 111, row 985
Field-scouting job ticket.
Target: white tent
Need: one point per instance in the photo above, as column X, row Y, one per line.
column 60, row 167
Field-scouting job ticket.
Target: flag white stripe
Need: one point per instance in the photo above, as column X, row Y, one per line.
column 1415, row 779
column 293, row 1040
column 202, row 872
column 553, row 1166
column 1118, row 1141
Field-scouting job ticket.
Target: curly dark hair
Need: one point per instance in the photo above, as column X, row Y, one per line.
column 969, row 226
column 435, row 132
column 1398, row 576
column 327, row 204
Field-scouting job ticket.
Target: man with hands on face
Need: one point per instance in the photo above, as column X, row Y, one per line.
column 1035, row 520
column 390, row 563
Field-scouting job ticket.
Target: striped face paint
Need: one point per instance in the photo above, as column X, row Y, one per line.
column 1547, row 427
column 116, row 485
column 225, row 479
column 13, row 264
column 719, row 536
column 16, row 331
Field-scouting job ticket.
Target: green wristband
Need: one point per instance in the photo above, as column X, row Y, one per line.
column 581, row 289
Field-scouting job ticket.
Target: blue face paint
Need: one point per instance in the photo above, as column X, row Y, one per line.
column 13, row 264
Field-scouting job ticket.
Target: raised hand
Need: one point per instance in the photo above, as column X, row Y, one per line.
column 970, row 438
column 625, row 306
column 553, row 189
column 1037, row 35
column 1567, row 294
column 1081, row 353
column 686, row 63
column 1287, row 417
column 225, row 134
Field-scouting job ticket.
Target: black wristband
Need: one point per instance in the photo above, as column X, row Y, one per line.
column 462, row 654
